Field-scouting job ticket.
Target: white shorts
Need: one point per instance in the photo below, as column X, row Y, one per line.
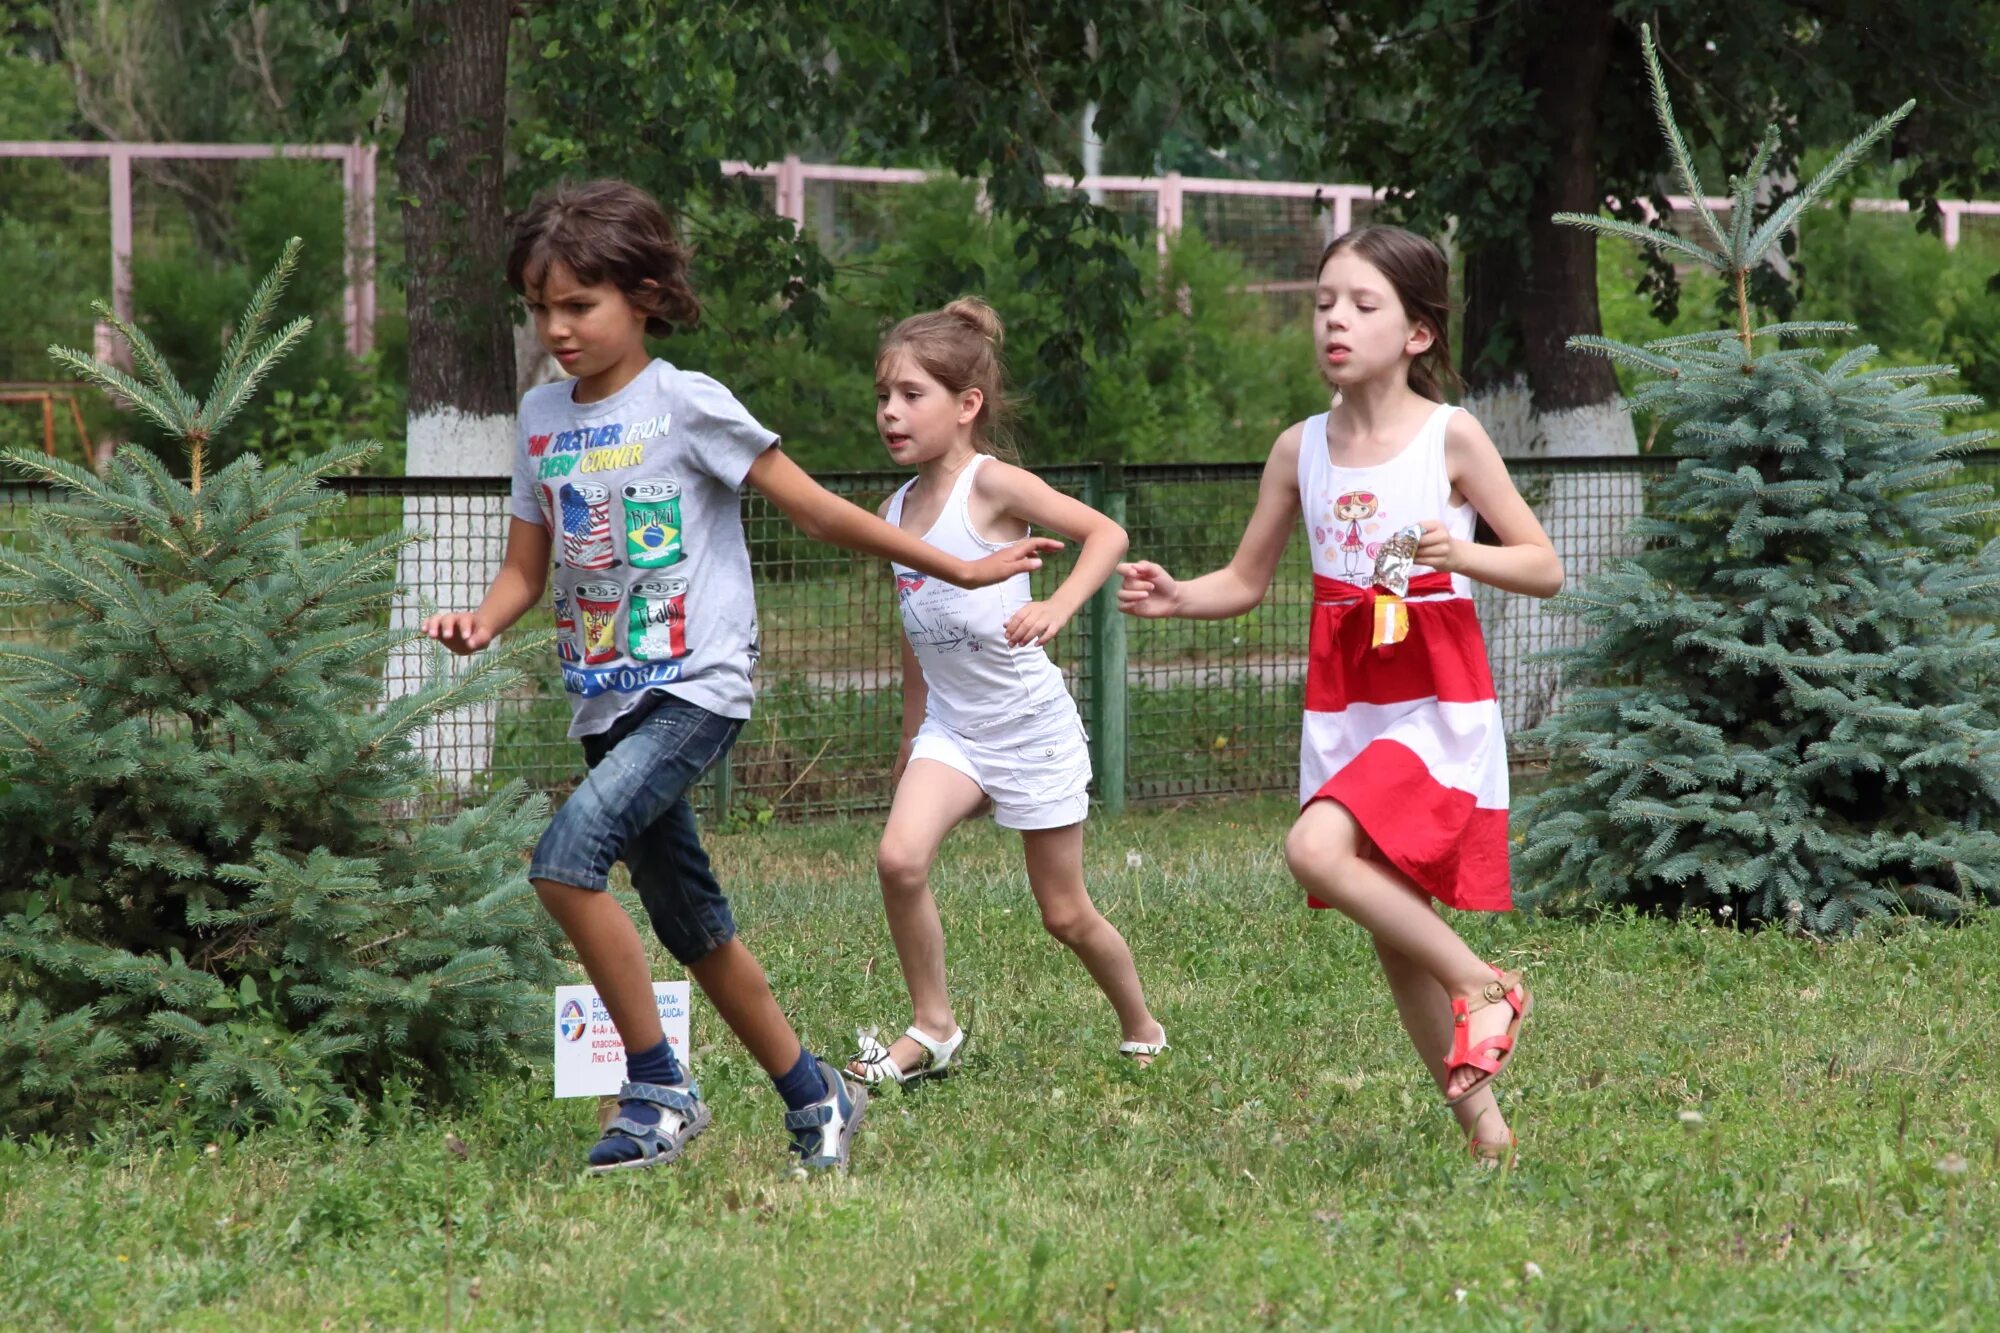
column 1037, row 772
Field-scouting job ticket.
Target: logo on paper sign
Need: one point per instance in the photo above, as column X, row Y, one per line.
column 571, row 1023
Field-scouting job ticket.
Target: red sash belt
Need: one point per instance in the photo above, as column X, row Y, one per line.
column 1389, row 618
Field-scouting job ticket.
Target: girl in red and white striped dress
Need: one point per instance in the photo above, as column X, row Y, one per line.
column 1403, row 765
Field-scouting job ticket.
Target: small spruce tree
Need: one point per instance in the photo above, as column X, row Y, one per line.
column 218, row 911
column 1790, row 705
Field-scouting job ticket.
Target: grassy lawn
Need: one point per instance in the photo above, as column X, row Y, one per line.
column 1718, row 1131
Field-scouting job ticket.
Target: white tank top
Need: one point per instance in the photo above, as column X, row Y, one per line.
column 1351, row 511
column 975, row 682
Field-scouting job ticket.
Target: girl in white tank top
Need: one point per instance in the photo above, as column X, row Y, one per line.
column 975, row 679
column 987, row 718
column 1403, row 770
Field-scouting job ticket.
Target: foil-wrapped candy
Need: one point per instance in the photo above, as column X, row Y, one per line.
column 1395, row 558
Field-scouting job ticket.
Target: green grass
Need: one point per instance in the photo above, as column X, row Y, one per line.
column 1286, row 1165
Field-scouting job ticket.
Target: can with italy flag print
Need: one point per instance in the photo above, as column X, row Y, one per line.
column 657, row 631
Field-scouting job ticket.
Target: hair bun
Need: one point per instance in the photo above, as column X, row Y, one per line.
column 981, row 316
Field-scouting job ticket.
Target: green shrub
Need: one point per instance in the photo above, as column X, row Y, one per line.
column 218, row 912
column 1786, row 708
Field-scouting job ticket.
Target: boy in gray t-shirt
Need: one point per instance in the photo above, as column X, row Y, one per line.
column 626, row 484
column 650, row 572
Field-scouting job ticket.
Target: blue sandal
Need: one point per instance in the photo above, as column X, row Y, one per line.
column 683, row 1114
column 822, row 1133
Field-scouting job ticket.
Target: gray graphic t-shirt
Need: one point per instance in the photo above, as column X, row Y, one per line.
column 651, row 575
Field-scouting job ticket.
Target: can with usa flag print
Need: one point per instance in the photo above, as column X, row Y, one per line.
column 586, row 526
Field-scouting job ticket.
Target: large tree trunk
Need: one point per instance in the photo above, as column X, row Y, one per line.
column 1537, row 398
column 1521, row 310
column 1559, row 300
column 449, row 165
column 461, row 416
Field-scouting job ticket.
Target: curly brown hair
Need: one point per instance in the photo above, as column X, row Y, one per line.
column 607, row 231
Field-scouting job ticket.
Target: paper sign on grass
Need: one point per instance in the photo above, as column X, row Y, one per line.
column 590, row 1058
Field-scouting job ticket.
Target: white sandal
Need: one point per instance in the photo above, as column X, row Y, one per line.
column 1148, row 1049
column 875, row 1065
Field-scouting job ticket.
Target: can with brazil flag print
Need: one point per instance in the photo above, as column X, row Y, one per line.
column 653, row 523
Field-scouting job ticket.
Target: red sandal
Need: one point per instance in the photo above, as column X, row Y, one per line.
column 1491, row 1055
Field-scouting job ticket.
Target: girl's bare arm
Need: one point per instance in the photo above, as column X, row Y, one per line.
column 1526, row 561
column 1150, row 591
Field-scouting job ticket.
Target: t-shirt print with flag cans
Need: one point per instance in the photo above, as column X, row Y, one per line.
column 598, row 603
column 565, row 613
column 653, row 523
column 657, row 631
column 586, row 526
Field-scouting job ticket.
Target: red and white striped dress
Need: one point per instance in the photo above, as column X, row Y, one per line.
column 1408, row 735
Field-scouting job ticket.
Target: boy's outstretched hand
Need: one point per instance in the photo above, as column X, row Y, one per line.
column 1021, row 557
column 1146, row 590
column 460, row 631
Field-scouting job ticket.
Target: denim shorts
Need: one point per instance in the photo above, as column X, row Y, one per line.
column 633, row 807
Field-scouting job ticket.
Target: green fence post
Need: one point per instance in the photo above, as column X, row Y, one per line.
column 1107, row 660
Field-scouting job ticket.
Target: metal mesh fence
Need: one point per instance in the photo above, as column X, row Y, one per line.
column 1276, row 238
column 852, row 218
column 1982, row 230
column 1207, row 707
column 1137, row 210
column 1211, row 706
column 1584, row 506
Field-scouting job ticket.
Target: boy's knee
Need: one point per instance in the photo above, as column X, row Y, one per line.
column 554, row 894
column 709, row 958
